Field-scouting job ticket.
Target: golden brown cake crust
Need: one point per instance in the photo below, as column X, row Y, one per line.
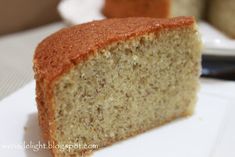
column 60, row 51
column 137, row 8
column 64, row 49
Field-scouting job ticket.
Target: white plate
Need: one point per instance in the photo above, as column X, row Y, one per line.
column 208, row 133
column 80, row 11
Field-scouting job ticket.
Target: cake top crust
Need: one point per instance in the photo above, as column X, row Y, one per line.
column 64, row 49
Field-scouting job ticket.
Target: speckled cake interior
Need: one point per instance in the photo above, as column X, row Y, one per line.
column 101, row 82
column 128, row 87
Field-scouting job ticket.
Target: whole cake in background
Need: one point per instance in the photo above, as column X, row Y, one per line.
column 220, row 13
column 153, row 8
column 104, row 81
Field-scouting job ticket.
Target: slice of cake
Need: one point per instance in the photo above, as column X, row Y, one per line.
column 153, row 8
column 104, row 81
column 222, row 15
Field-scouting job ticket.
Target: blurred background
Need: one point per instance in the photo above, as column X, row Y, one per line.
column 18, row 15
column 24, row 23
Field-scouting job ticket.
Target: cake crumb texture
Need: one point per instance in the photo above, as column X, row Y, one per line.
column 104, row 81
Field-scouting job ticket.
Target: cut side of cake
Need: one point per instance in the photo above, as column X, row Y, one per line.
column 104, row 81
column 153, row 8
